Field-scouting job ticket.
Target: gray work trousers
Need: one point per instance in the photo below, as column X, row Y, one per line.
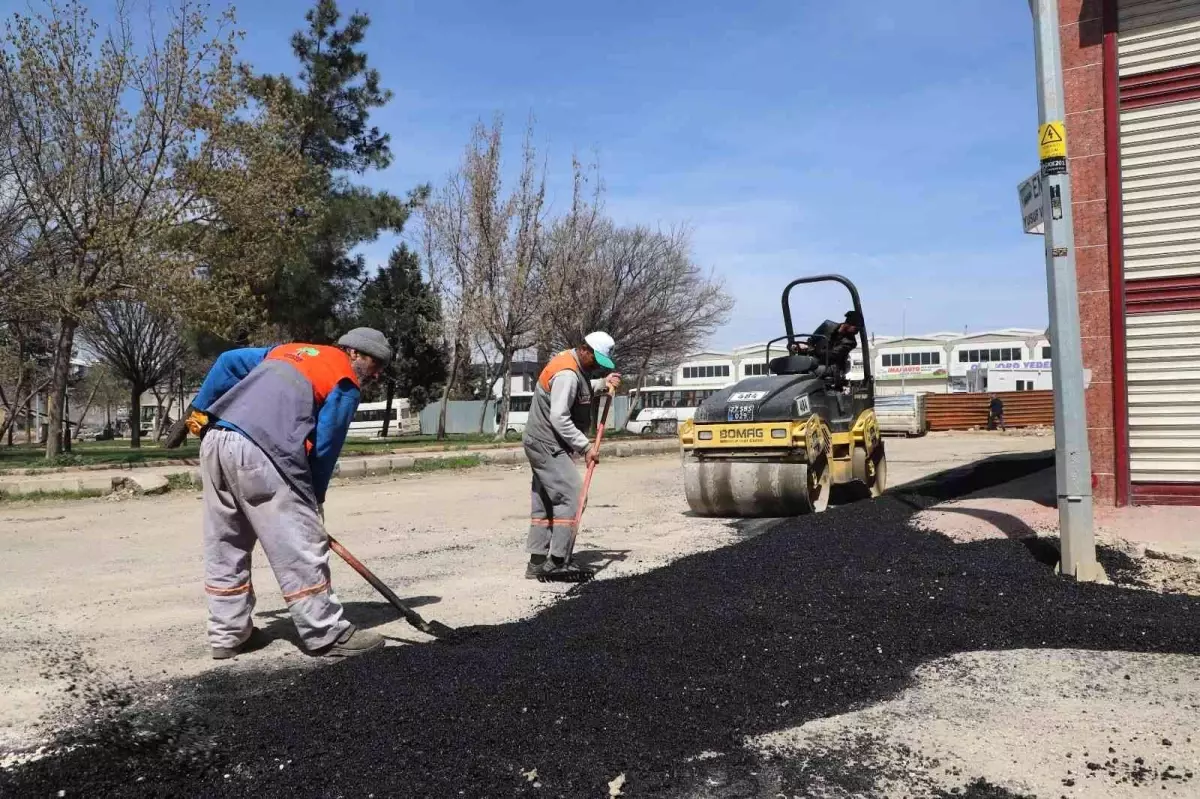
column 246, row 499
column 557, row 485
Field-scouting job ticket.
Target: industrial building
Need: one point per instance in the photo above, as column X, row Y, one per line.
column 1012, row 359
column 1131, row 71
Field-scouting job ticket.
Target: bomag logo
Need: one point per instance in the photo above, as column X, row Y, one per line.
column 741, row 435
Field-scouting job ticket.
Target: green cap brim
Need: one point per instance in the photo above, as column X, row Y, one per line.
column 604, row 360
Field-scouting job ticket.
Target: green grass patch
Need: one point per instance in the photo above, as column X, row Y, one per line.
column 93, row 453
column 444, row 464
column 49, row 496
column 117, row 454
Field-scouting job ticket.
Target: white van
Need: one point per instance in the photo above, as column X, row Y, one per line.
column 519, row 404
column 368, row 420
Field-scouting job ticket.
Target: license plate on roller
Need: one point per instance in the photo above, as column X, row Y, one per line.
column 739, row 413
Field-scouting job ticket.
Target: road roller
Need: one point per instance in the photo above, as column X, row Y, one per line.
column 780, row 444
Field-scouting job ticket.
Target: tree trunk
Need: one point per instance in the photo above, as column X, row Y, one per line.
column 135, row 416
column 451, row 377
column 642, row 372
column 29, row 421
column 20, row 404
column 11, row 409
column 161, row 412
column 66, row 431
column 87, row 406
column 387, row 412
column 488, row 379
column 58, row 385
column 505, row 395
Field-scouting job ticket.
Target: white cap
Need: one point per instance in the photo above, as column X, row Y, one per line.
column 602, row 345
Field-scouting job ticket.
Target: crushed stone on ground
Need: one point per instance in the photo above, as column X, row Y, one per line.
column 639, row 676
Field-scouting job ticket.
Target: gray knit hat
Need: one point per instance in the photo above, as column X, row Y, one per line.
column 368, row 341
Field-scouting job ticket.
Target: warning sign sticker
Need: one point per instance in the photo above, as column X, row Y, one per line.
column 1052, row 141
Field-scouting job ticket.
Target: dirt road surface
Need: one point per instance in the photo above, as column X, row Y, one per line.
column 119, row 583
column 943, row 663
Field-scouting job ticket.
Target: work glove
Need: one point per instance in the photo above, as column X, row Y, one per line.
column 192, row 421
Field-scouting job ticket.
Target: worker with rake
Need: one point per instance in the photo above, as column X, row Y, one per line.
column 273, row 421
column 561, row 410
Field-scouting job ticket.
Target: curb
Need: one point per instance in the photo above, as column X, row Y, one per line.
column 84, row 484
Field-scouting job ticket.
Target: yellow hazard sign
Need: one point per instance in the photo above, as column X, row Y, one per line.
column 1052, row 141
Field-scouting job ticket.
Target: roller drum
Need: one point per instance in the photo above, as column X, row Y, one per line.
column 729, row 487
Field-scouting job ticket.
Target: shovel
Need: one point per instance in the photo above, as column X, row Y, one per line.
column 434, row 628
column 587, row 477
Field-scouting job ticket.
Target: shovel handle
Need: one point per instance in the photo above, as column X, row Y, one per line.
column 410, row 615
column 587, row 477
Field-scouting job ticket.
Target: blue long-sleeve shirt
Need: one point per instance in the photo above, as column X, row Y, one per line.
column 333, row 417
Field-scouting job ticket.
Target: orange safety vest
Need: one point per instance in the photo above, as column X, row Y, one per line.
column 563, row 361
column 324, row 367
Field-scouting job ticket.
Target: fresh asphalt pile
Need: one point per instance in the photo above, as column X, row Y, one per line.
column 658, row 677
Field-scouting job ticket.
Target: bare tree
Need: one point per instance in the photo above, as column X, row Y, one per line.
column 488, row 242
column 569, row 250
column 99, row 382
column 490, row 369
column 25, row 346
column 445, row 239
column 139, row 171
column 143, row 347
column 512, row 230
column 643, row 287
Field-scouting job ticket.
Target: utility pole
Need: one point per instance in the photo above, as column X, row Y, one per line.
column 904, row 346
column 1073, row 463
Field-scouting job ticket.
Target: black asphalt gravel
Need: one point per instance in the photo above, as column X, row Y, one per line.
column 636, row 676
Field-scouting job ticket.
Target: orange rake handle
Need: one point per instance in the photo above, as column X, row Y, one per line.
column 591, row 469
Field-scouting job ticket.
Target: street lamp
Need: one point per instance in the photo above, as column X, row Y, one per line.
column 904, row 344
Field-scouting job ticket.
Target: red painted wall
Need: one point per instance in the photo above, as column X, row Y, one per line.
column 1082, row 35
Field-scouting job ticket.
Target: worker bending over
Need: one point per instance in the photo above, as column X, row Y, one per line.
column 561, row 410
column 273, row 421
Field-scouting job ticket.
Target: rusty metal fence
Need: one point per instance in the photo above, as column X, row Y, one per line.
column 964, row 411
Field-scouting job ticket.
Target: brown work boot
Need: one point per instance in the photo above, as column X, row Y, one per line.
column 256, row 640
column 352, row 643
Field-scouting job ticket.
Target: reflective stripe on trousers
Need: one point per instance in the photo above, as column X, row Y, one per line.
column 246, row 500
column 554, row 500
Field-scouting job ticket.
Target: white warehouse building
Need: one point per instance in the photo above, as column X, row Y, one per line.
column 1012, row 359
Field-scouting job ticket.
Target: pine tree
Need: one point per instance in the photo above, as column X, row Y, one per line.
column 400, row 303
column 331, row 102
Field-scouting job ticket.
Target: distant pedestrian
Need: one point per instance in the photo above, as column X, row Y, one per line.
column 996, row 414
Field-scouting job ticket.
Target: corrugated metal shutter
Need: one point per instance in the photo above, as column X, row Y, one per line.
column 1157, row 34
column 1164, row 397
column 1160, row 190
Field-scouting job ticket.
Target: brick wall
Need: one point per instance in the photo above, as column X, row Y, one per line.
column 1082, row 35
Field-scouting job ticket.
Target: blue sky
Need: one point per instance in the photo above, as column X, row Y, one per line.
column 879, row 139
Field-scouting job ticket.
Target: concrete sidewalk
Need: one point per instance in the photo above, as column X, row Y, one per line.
column 157, row 479
column 1027, row 507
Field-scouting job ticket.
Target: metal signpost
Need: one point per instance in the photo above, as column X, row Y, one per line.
column 1073, row 461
